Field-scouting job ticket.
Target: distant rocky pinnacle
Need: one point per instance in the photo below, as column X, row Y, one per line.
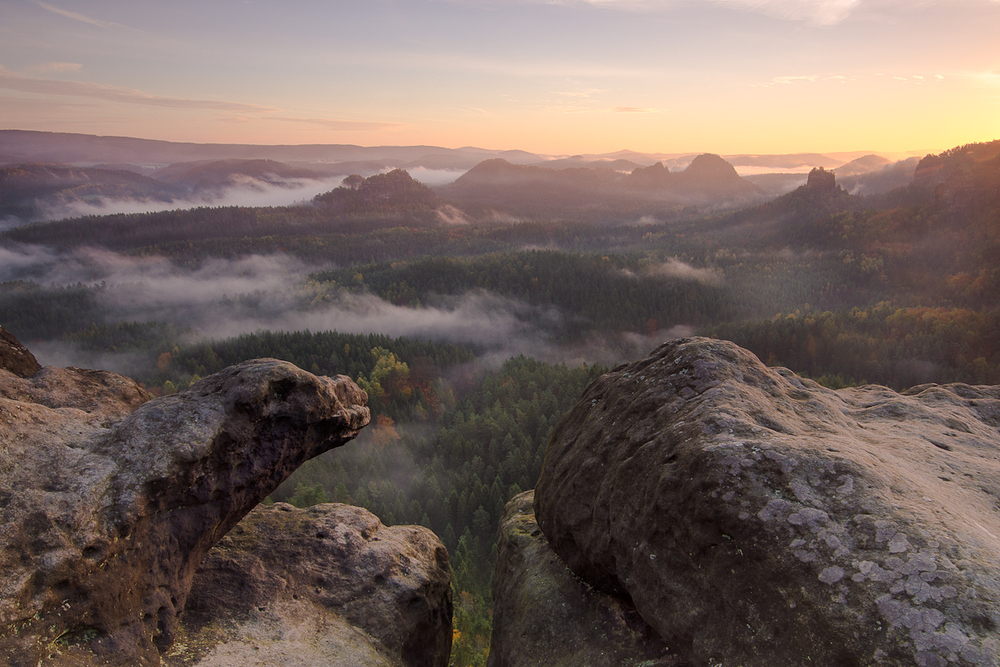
column 821, row 179
column 755, row 518
column 108, row 503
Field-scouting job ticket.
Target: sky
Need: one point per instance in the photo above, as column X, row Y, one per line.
column 558, row 77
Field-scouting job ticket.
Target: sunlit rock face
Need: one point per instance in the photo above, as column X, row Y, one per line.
column 327, row 585
column 756, row 518
column 108, row 502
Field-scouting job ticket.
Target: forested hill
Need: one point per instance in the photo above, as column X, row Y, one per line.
column 432, row 318
column 393, row 193
column 383, row 200
column 213, row 174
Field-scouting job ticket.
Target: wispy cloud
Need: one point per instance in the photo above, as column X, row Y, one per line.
column 45, row 68
column 242, row 112
column 633, row 110
column 340, row 125
column 792, row 80
column 551, row 68
column 821, row 12
column 799, row 80
column 989, row 78
column 107, row 25
column 27, row 84
column 587, row 93
column 675, row 268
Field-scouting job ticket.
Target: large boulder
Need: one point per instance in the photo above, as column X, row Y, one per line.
column 106, row 511
column 325, row 585
column 756, row 518
column 544, row 615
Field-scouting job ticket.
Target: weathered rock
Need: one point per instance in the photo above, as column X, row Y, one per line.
column 15, row 357
column 381, row 594
column 756, row 518
column 98, row 397
column 544, row 615
column 105, row 519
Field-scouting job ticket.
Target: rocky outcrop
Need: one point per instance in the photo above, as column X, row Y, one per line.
column 756, row 518
column 381, row 595
column 15, row 357
column 544, row 615
column 106, row 511
column 821, row 180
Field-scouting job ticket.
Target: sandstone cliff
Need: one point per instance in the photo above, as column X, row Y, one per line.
column 755, row 518
column 108, row 503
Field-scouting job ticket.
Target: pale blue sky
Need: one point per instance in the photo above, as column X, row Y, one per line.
column 556, row 77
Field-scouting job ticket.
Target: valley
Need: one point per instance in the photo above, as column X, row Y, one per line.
column 475, row 313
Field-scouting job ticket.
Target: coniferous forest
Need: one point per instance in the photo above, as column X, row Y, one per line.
column 473, row 332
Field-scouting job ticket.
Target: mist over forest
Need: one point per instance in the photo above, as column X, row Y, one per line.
column 474, row 294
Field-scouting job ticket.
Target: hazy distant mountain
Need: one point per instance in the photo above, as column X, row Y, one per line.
column 27, row 191
column 788, row 219
column 707, row 178
column 31, row 192
column 957, row 165
column 777, row 184
column 216, row 174
column 579, row 161
column 531, row 190
column 600, row 191
column 890, row 176
column 18, row 146
column 966, row 181
column 862, row 165
column 790, row 161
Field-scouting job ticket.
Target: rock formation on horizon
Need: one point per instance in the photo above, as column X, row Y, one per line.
column 822, row 180
column 756, row 518
column 108, row 503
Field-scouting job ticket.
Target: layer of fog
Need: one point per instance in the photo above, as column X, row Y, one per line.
column 754, row 170
column 23, row 262
column 678, row 270
column 243, row 192
column 435, row 177
column 222, row 298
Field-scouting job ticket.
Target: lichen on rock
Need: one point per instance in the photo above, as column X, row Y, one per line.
column 757, row 518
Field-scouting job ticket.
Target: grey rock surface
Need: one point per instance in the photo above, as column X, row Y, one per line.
column 756, row 518
column 544, row 615
column 382, row 595
column 106, row 511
